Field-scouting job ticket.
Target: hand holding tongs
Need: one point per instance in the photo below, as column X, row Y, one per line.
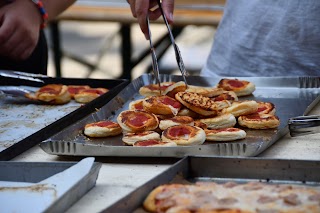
column 22, row 75
column 176, row 49
column 304, row 125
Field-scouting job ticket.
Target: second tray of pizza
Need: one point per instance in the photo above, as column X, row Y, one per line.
column 228, row 114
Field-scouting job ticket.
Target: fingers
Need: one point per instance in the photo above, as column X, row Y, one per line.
column 168, row 7
column 141, row 10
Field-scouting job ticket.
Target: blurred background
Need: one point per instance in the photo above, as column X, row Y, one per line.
column 92, row 42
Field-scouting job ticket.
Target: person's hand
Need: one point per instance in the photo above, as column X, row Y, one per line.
column 140, row 9
column 19, row 29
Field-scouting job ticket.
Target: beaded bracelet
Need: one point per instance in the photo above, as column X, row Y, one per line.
column 43, row 13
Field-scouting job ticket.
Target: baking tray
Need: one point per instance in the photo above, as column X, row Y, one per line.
column 44, row 186
column 291, row 96
column 223, row 169
column 24, row 123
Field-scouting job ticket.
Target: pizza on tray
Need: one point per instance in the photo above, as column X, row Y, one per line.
column 232, row 197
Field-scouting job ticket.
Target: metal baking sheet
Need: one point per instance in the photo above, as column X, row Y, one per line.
column 291, row 96
column 45, row 187
column 24, row 123
column 224, row 169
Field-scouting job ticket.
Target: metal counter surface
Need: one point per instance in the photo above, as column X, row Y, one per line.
column 120, row 176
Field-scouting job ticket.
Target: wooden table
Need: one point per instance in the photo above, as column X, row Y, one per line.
column 186, row 13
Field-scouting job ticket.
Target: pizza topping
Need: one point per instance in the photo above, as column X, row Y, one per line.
column 94, row 91
column 105, row 124
column 138, row 120
column 178, row 131
column 223, row 130
column 262, row 108
column 138, row 106
column 156, row 86
column 182, row 119
column 236, row 83
column 291, row 199
column 51, row 89
column 170, row 101
column 148, row 142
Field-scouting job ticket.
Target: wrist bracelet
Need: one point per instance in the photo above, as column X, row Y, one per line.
column 44, row 14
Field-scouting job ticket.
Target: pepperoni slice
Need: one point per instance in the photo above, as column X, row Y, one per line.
column 236, row 83
column 138, row 119
column 148, row 143
column 93, row 91
column 105, row 124
column 138, row 106
column 76, row 89
column 260, row 109
column 179, row 131
column 170, row 101
column 51, row 89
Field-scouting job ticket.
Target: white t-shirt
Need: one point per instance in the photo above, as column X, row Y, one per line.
column 267, row 38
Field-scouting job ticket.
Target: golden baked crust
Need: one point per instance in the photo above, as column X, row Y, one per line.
column 220, row 121
column 87, row 95
column 136, row 105
column 201, row 104
column 137, row 121
column 240, row 87
column 238, row 108
column 102, row 129
column 226, row 95
column 52, row 94
column 187, row 112
column 161, row 105
column 75, row 89
column 225, row 134
column 131, row 137
column 184, row 135
column 259, row 121
column 153, row 89
column 177, row 120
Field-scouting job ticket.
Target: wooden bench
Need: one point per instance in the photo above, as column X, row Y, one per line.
column 186, row 13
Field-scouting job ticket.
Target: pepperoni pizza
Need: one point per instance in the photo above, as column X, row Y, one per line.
column 240, row 87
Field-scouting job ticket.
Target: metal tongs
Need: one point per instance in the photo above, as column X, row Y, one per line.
column 304, row 125
column 176, row 50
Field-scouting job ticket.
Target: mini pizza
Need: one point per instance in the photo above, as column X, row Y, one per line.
column 137, row 121
column 52, row 94
column 200, row 125
column 102, row 129
column 136, row 105
column 225, row 134
column 153, row 89
column 75, row 89
column 240, row 87
column 161, row 105
column 184, row 135
column 201, row 104
column 87, row 95
column 266, row 108
column 177, row 120
column 154, row 143
column 205, row 91
column 259, row 121
column 232, row 197
column 220, row 121
column 173, row 89
column 130, row 138
column 239, row 108
column 226, row 95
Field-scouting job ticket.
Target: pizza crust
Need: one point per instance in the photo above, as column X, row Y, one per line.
column 102, row 129
column 240, row 87
column 184, row 135
column 225, row 134
column 87, row 95
column 259, row 121
column 51, row 94
column 220, row 121
column 161, row 105
column 177, row 120
column 238, row 108
column 130, row 138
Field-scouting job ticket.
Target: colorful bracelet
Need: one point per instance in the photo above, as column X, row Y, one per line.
column 43, row 13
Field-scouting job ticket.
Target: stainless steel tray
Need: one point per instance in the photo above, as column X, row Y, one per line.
column 291, row 96
column 223, row 169
column 43, row 186
column 24, row 123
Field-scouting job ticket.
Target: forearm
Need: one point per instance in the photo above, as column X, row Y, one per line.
column 55, row 7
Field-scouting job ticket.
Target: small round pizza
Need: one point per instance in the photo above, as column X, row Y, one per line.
column 240, row 87
column 137, row 121
column 205, row 91
column 153, row 89
column 177, row 120
column 175, row 88
column 259, row 121
column 201, row 104
column 52, row 94
column 225, row 134
column 136, row 105
column 87, row 95
column 161, row 105
column 201, row 125
column 220, row 121
column 266, row 108
column 226, row 95
column 102, row 129
column 75, row 89
column 239, row 108
column 184, row 135
column 131, row 137
column 154, row 143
